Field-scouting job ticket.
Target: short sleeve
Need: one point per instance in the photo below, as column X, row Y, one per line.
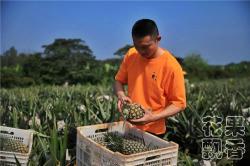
column 177, row 93
column 122, row 74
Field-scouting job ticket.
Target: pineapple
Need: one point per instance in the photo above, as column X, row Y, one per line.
column 132, row 111
column 124, row 145
column 13, row 146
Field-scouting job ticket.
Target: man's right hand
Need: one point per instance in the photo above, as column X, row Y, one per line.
column 120, row 93
column 121, row 100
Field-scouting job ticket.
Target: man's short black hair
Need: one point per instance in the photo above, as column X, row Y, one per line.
column 145, row 27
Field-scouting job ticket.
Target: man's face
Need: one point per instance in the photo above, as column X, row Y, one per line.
column 146, row 46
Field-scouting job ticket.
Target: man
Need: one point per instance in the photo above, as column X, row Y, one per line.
column 154, row 77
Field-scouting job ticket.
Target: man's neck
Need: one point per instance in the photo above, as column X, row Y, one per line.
column 159, row 52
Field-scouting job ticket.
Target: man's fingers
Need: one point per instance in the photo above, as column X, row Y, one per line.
column 134, row 120
column 119, row 105
column 137, row 122
column 142, row 119
column 129, row 100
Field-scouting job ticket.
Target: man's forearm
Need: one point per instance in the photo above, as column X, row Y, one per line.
column 119, row 90
column 167, row 112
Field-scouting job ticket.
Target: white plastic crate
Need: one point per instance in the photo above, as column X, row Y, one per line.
column 90, row 153
column 24, row 136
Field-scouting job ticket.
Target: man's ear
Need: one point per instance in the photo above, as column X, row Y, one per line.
column 158, row 38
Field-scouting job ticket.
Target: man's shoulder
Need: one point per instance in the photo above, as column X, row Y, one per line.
column 171, row 61
column 131, row 54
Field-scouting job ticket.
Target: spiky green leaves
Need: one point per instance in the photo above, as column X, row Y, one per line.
column 124, row 145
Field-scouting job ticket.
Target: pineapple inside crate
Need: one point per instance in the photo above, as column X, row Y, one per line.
column 90, row 153
column 16, row 136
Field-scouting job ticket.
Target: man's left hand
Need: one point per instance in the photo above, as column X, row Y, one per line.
column 147, row 118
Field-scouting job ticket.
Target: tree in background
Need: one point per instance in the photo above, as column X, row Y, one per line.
column 122, row 51
column 196, row 66
column 32, row 67
column 64, row 60
column 72, row 61
column 68, row 48
column 68, row 60
column 12, row 73
column 12, row 58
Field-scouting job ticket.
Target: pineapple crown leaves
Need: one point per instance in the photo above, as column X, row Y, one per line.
column 123, row 144
column 114, row 141
column 17, row 161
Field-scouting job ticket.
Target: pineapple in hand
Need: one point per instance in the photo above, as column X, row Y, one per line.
column 132, row 111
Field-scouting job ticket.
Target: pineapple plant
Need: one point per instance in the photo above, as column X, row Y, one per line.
column 132, row 110
column 11, row 145
column 124, row 145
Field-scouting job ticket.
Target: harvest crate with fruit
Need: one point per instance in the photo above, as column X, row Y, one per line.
column 15, row 145
column 120, row 143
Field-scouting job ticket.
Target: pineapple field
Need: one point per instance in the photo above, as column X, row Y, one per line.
column 54, row 112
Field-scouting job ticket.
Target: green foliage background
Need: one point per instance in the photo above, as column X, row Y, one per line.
column 71, row 61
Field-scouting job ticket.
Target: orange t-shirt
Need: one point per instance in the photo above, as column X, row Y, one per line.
column 153, row 83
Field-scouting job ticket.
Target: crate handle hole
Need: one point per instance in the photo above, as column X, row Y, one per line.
column 152, row 157
column 2, row 157
column 101, row 130
column 7, row 132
